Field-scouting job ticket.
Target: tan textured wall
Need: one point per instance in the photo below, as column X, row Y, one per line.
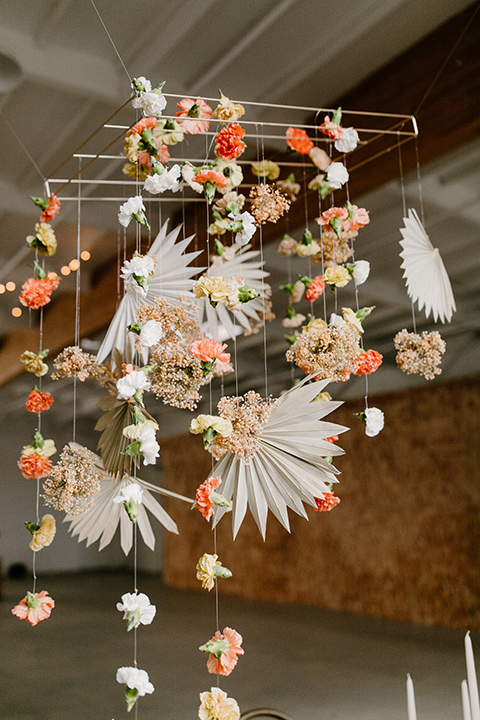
column 404, row 543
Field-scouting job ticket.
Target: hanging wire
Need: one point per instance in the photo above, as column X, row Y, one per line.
column 111, row 40
column 404, row 207
column 24, row 148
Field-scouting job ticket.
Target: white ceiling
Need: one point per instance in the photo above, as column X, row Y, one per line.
column 305, row 52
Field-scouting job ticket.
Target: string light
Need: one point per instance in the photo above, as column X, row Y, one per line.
column 74, row 264
column 85, row 255
column 2, row 288
column 16, row 311
column 65, row 270
column 10, row 286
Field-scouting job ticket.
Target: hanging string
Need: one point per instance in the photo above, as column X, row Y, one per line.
column 404, row 206
column 419, row 181
column 260, row 231
column 24, row 148
column 111, row 40
column 77, row 300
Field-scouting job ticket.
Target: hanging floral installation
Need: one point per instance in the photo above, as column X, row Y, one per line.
column 173, row 337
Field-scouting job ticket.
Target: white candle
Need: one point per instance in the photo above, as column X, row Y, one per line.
column 411, row 709
column 472, row 678
column 466, row 701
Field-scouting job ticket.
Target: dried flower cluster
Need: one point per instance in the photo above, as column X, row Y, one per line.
column 248, row 414
column 419, row 354
column 268, row 204
column 74, row 362
column 327, row 351
column 73, row 482
column 335, row 251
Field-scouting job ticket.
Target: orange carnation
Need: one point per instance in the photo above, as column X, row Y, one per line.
column 228, row 143
column 357, row 218
column 315, row 289
column 368, row 362
column 35, row 466
column 330, row 129
column 34, row 607
column 326, row 503
column 228, row 659
column 143, row 124
column 202, row 496
column 207, row 350
column 37, row 293
column 331, row 214
column 51, row 211
column 38, row 401
column 298, row 140
column 212, row 176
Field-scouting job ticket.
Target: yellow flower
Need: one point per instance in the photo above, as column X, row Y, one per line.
column 44, row 241
column 234, row 174
column 33, row 363
column 46, row 450
column 133, row 432
column 317, row 180
column 169, row 132
column 44, row 535
column 315, row 324
column 131, row 170
column 307, row 250
column 205, row 570
column 219, row 227
column 221, row 426
column 337, row 275
column 130, row 145
column 266, row 169
column 216, row 705
column 350, row 317
column 227, row 110
column 215, row 287
column 322, row 397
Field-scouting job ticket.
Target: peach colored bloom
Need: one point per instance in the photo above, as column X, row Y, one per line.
column 357, row 218
column 228, row 143
column 37, row 293
column 228, row 659
column 315, row 289
column 35, row 466
column 326, row 503
column 38, row 401
column 207, row 350
column 43, row 536
column 331, row 214
column 52, row 209
column 143, row 124
column 330, row 129
column 298, row 140
column 163, row 154
column 320, row 158
column 194, row 115
column 212, row 176
column 34, row 607
column 368, row 362
column 202, row 496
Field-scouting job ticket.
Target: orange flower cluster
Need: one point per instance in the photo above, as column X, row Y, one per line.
column 327, row 502
column 52, row 209
column 202, row 496
column 368, row 362
column 34, row 607
column 298, row 140
column 228, row 143
column 35, row 466
column 37, row 293
column 38, row 402
column 315, row 289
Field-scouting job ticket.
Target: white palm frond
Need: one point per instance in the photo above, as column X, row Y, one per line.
column 222, row 323
column 426, row 278
column 288, row 467
column 101, row 521
column 172, row 280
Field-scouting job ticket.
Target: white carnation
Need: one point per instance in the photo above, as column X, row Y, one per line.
column 361, row 271
column 151, row 333
column 374, row 421
column 348, row 141
column 128, row 385
column 131, row 206
column 135, row 679
column 337, row 175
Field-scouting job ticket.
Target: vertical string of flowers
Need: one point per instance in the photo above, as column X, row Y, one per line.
column 34, row 461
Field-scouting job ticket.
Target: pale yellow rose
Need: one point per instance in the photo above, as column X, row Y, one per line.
column 315, row 324
column 337, row 275
column 206, row 570
column 229, row 198
column 322, row 397
column 133, row 432
column 316, row 181
column 221, row 426
column 308, row 250
column 33, row 363
column 44, row 241
column 234, row 174
column 350, row 317
column 130, row 145
column 227, row 110
column 216, row 705
column 215, row 287
column 43, row 537
column 266, row 168
column 132, row 170
column 47, row 449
